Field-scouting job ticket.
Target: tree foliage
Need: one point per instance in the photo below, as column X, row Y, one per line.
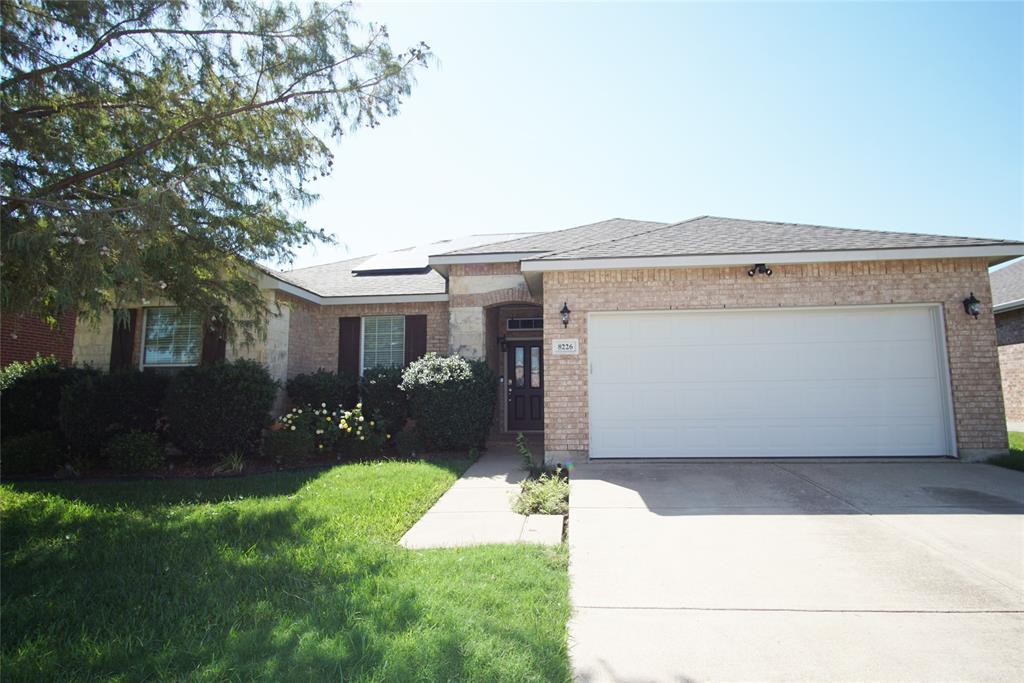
column 156, row 148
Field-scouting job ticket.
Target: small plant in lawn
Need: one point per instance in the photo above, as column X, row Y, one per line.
column 546, row 495
column 529, row 464
column 133, row 451
column 232, row 463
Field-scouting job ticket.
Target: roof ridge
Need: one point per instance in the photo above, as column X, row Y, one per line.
column 661, row 226
column 871, row 230
column 555, row 232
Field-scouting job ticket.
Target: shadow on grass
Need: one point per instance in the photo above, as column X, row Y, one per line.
column 285, row 588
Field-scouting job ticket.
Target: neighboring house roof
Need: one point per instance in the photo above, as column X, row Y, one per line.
column 715, row 235
column 1008, row 286
column 543, row 242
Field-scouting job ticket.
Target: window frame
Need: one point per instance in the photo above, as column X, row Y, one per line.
column 362, row 339
column 143, row 365
column 538, row 324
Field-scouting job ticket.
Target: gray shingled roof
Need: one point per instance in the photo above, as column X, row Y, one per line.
column 708, row 235
column 337, row 279
column 1008, row 283
column 615, row 228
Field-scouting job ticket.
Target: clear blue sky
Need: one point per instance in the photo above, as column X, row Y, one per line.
column 545, row 116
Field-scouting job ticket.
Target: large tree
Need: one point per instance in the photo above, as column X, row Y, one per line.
column 157, row 148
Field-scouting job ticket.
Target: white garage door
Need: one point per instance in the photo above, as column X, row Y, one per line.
column 853, row 381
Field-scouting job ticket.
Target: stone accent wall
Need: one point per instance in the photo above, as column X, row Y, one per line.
column 313, row 330
column 973, row 360
column 473, row 288
column 1011, row 365
column 1010, row 327
column 92, row 341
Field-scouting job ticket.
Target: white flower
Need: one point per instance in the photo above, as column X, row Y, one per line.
column 293, row 428
column 323, row 405
column 163, row 285
column 79, row 239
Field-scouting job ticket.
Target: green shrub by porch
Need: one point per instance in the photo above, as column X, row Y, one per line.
column 219, row 409
column 97, row 407
column 333, row 388
column 452, row 400
column 30, row 393
column 383, row 397
column 39, row 453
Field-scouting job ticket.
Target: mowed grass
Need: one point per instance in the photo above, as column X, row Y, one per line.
column 288, row 576
column 1015, row 459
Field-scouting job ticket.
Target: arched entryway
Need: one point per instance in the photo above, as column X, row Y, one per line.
column 514, row 350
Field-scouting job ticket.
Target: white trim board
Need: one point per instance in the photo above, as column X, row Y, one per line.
column 1008, row 306
column 995, row 253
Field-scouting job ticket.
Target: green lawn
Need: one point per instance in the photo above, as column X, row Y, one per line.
column 1015, row 460
column 290, row 576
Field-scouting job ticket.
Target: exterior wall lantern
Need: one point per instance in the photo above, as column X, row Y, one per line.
column 760, row 268
column 972, row 306
column 565, row 314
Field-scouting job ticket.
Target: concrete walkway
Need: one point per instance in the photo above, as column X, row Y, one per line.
column 477, row 509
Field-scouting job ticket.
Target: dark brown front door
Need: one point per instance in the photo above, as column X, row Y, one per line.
column 525, row 386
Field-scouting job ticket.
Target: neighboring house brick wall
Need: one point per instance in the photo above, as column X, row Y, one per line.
column 971, row 343
column 1010, row 337
column 1011, row 365
column 23, row 338
column 313, row 330
column 1010, row 327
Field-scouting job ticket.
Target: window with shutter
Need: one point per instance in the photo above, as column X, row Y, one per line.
column 173, row 338
column 383, row 341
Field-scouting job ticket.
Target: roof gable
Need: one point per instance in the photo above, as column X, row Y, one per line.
column 1008, row 283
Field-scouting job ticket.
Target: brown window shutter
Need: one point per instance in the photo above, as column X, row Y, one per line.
column 348, row 345
column 415, row 337
column 215, row 344
column 122, row 342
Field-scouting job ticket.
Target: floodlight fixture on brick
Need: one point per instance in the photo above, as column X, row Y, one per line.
column 565, row 314
column 759, row 268
column 972, row 306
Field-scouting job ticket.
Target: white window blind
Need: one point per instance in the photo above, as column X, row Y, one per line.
column 383, row 341
column 173, row 337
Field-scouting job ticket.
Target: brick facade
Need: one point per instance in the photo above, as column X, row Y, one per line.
column 1010, row 337
column 23, row 338
column 1010, row 327
column 313, row 329
column 971, row 343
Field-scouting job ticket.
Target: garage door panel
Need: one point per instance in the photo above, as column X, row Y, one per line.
column 845, row 382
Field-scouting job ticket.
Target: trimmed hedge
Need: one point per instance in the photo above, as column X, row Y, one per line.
column 31, row 453
column 452, row 401
column 133, row 451
column 30, row 395
column 334, row 389
column 96, row 408
column 384, row 399
column 219, row 409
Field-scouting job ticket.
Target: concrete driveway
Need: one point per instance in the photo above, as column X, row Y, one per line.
column 797, row 571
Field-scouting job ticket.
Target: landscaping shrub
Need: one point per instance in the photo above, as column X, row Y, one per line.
column 289, row 444
column 31, row 453
column 452, row 400
column 322, row 386
column 95, row 408
column 546, row 495
column 30, row 394
column 407, row 443
column 383, row 397
column 361, row 436
column 217, row 409
column 133, row 451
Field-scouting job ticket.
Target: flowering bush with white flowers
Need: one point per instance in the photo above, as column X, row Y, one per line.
column 360, row 434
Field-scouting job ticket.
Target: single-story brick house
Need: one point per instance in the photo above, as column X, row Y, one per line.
column 1008, row 306
column 712, row 337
